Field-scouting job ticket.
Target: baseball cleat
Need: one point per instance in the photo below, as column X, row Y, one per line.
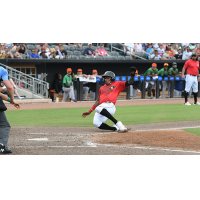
column 197, row 103
column 74, row 101
column 187, row 104
column 120, row 126
column 2, row 148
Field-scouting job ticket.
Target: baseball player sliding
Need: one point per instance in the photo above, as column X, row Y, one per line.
column 105, row 104
column 191, row 80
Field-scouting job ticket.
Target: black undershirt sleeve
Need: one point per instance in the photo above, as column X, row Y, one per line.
column 67, row 86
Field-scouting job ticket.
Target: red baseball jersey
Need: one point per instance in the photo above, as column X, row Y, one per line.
column 192, row 67
column 111, row 92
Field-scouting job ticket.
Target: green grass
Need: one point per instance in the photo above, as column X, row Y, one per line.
column 195, row 131
column 127, row 114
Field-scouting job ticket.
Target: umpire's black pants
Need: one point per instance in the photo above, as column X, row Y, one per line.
column 4, row 129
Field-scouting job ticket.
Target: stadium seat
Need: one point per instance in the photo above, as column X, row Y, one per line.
column 128, row 58
column 114, row 53
column 121, row 58
column 74, row 57
column 70, row 53
column 99, row 58
column 77, row 53
column 28, row 51
column 82, row 58
column 30, row 47
column 65, row 47
column 71, row 48
column 53, row 46
column 114, row 58
column 90, row 57
column 107, row 48
column 107, row 57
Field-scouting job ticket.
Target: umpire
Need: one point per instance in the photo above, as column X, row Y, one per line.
column 4, row 124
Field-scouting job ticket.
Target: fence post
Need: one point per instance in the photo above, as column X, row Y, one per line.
column 143, row 89
column 33, row 88
column 172, row 89
column 157, row 89
column 97, row 90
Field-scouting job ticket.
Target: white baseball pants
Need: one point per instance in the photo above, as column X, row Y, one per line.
column 98, row 118
column 191, row 82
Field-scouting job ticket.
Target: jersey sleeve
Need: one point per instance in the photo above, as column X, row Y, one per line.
column 148, row 72
column 3, row 74
column 186, row 64
column 160, row 73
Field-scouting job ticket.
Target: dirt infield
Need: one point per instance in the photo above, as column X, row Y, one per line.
column 92, row 141
column 144, row 139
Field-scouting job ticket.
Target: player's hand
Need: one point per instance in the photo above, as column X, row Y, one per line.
column 183, row 76
column 16, row 105
column 153, row 74
column 85, row 114
column 71, row 86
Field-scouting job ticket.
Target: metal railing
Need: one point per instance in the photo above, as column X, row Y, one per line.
column 24, row 81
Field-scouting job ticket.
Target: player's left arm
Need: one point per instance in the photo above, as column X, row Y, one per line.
column 131, row 80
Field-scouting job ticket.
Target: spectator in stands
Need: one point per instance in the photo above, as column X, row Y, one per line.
column 155, row 55
column 102, row 51
column 75, row 44
column 155, row 45
column 166, row 55
column 52, row 55
column 57, row 47
column 46, row 47
column 38, row 48
column 96, row 53
column 58, row 84
column 178, row 88
column 8, row 53
column 21, row 49
column 144, row 46
column 33, row 55
column 17, row 55
column 138, row 47
column 171, row 53
column 85, row 84
column 2, row 51
column 89, row 51
column 198, row 51
column 149, row 51
column 67, row 86
column 129, row 48
column 134, row 87
column 62, row 53
column 43, row 55
column 93, row 85
column 193, row 46
column 161, row 50
column 187, row 52
column 178, row 55
column 151, row 85
column 165, row 84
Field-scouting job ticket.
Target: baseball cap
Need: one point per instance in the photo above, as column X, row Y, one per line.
column 166, row 64
column 94, row 71
column 136, row 71
column 174, row 64
column 179, row 48
column 154, row 65
column 89, row 43
column 42, row 48
column 69, row 70
column 194, row 54
column 79, row 70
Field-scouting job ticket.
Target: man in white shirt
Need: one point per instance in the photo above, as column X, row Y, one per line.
column 129, row 47
column 138, row 47
column 187, row 53
column 161, row 50
column 155, row 55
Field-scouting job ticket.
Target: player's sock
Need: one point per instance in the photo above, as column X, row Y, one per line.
column 195, row 97
column 106, row 127
column 105, row 113
column 186, row 96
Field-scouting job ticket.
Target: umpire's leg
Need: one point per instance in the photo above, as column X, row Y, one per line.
column 4, row 129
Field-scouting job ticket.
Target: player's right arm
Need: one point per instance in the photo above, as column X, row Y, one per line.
column 92, row 109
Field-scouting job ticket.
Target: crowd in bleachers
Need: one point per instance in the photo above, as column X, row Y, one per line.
column 116, row 51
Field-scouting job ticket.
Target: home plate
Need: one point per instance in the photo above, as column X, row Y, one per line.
column 39, row 139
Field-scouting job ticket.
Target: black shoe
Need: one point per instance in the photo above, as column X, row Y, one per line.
column 4, row 150
column 74, row 101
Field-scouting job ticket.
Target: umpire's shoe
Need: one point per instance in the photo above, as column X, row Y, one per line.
column 4, row 150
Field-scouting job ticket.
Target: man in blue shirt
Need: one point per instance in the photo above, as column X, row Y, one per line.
column 178, row 86
column 33, row 55
column 149, row 51
column 4, row 124
column 89, row 51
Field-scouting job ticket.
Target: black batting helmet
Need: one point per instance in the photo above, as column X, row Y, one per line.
column 110, row 74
